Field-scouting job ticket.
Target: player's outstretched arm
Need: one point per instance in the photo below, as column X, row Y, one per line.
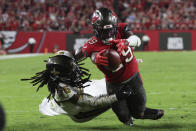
column 100, row 101
column 67, row 93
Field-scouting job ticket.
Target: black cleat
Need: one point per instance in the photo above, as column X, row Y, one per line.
column 153, row 114
column 159, row 114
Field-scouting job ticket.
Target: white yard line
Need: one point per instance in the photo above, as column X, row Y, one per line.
column 3, row 57
column 17, row 111
column 34, row 96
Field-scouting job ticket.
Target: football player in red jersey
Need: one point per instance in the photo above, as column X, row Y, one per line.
column 109, row 34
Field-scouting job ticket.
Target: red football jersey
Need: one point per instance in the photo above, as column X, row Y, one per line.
column 128, row 60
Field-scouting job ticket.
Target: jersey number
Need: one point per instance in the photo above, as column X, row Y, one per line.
column 126, row 54
column 92, row 41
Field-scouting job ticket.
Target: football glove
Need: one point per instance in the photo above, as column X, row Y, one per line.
column 134, row 41
column 121, row 44
column 101, row 60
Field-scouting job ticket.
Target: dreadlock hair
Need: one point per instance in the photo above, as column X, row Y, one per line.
column 61, row 68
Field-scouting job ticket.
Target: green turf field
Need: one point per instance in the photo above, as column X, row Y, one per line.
column 169, row 80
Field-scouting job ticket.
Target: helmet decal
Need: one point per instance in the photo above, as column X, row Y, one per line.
column 96, row 16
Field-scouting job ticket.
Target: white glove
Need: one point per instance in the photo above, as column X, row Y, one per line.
column 134, row 41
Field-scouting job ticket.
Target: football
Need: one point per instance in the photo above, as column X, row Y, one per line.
column 113, row 59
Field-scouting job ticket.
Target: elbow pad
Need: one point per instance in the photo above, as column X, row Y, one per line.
column 134, row 41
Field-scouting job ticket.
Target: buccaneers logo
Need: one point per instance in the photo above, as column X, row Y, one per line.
column 96, row 17
column 9, row 38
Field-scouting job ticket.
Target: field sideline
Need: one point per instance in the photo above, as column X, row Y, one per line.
column 169, row 79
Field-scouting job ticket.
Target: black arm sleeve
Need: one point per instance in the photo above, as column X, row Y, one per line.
column 127, row 32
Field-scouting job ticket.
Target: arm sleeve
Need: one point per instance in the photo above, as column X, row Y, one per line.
column 127, row 31
column 100, row 101
column 68, row 94
column 132, row 39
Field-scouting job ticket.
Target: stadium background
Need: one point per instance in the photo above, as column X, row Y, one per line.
column 63, row 24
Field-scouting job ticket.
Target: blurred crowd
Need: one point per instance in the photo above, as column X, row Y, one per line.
column 159, row 14
column 73, row 15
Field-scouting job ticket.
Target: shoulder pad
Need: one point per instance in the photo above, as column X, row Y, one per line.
column 66, row 94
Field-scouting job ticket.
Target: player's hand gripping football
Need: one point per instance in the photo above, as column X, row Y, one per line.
column 100, row 59
column 121, row 44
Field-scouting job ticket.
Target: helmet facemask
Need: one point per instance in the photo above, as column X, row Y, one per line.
column 106, row 34
column 104, row 23
column 64, row 69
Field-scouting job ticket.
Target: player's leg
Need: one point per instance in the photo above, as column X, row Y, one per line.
column 137, row 101
column 137, row 107
column 120, row 107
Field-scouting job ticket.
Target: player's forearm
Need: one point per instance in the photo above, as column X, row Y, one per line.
column 101, row 101
column 85, row 99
